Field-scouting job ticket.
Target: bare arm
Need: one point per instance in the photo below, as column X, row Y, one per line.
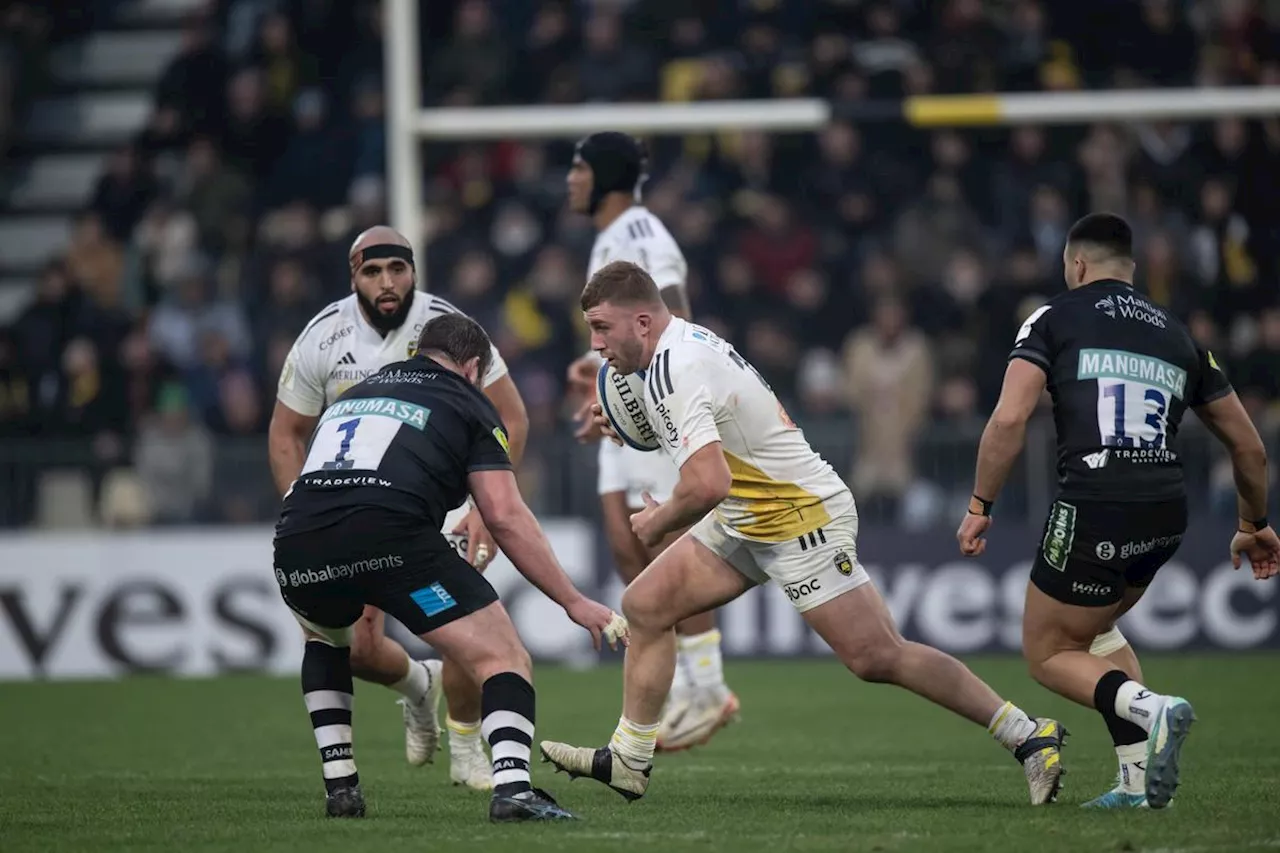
column 1006, row 431
column 704, row 482
column 287, row 444
column 1229, row 422
column 677, row 301
column 515, row 420
column 519, row 535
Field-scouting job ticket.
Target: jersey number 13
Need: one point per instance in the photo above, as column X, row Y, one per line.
column 1131, row 414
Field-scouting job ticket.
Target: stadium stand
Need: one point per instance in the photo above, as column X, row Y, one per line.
column 185, row 178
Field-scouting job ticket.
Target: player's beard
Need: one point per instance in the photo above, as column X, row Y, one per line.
column 382, row 321
column 630, row 354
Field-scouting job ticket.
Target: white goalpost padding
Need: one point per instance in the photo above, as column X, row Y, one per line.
column 409, row 125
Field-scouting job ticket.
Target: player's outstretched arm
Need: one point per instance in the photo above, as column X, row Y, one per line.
column 1006, row 431
column 287, row 444
column 1230, row 423
column 1255, row 538
column 521, row 538
column 1002, row 442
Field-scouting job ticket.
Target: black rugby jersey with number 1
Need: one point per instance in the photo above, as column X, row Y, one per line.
column 1122, row 373
column 403, row 440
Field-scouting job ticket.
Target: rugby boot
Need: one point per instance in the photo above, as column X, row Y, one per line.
column 533, row 804
column 601, row 764
column 1164, row 746
column 1041, row 759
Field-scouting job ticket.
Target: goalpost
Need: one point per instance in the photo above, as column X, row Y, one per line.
column 409, row 125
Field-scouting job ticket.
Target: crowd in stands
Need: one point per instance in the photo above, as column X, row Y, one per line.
column 874, row 274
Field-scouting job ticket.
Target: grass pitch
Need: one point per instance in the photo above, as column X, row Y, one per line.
column 819, row 762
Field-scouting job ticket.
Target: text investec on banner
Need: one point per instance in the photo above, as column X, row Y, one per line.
column 200, row 602
column 203, row 602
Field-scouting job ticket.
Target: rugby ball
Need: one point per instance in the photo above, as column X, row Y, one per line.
column 622, row 401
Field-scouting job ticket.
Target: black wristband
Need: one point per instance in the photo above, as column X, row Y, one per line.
column 985, row 504
column 1257, row 524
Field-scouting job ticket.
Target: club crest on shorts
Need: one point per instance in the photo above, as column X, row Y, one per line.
column 843, row 564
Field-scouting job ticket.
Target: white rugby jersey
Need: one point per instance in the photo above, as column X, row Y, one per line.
column 640, row 237
column 339, row 348
column 698, row 389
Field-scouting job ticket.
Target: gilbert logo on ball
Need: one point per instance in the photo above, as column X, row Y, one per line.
column 622, row 401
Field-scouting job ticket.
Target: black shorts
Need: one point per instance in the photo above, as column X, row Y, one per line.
column 399, row 566
column 1092, row 551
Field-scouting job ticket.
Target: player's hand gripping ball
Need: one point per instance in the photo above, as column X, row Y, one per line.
column 621, row 401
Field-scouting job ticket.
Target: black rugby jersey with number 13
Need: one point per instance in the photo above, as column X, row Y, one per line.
column 403, row 440
column 1122, row 373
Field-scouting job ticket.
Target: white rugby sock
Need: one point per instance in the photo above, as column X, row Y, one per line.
column 699, row 655
column 634, row 743
column 462, row 736
column 415, row 684
column 1010, row 725
column 681, row 682
column 1138, row 705
column 1133, row 767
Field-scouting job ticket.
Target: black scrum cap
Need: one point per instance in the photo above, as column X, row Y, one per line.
column 618, row 164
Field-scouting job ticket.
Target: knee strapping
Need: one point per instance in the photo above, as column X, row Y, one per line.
column 1108, row 642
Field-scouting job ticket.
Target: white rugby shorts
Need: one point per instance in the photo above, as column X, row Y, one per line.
column 811, row 569
column 625, row 469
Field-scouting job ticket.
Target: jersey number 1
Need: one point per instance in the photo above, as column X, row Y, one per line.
column 1132, row 415
column 341, row 462
column 354, row 444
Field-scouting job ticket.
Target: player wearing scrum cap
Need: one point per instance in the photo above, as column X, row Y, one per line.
column 604, row 182
column 350, row 340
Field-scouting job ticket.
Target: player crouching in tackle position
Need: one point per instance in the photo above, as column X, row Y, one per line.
column 362, row 525
column 1122, row 373
column 350, row 340
column 763, row 506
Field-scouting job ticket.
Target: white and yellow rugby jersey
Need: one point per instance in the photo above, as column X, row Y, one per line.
column 698, row 389
column 339, row 348
column 640, row 237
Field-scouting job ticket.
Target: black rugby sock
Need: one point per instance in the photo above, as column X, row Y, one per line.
column 329, row 693
column 1123, row 732
column 507, row 703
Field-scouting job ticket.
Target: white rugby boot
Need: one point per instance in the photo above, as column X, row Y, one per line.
column 422, row 721
column 693, row 715
column 603, row 765
column 469, row 765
